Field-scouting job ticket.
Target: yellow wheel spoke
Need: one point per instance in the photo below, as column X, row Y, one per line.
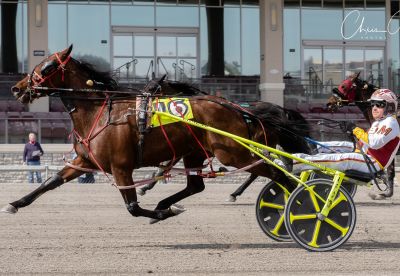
column 344, row 230
column 302, row 217
column 271, row 205
column 313, row 242
column 314, row 199
column 340, row 198
column 283, row 188
column 277, row 226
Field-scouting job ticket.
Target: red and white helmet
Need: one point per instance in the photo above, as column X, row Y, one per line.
column 388, row 96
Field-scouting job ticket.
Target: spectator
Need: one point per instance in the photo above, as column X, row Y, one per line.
column 32, row 153
column 86, row 178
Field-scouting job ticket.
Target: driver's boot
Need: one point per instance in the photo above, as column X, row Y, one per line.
column 389, row 190
column 384, row 194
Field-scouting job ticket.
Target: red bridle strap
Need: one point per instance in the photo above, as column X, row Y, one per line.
column 91, row 136
column 62, row 64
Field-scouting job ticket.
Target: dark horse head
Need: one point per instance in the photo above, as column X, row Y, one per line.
column 107, row 134
column 353, row 90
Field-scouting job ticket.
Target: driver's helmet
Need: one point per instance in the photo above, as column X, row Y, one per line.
column 388, row 97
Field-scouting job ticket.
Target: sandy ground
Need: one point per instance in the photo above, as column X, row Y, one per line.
column 85, row 229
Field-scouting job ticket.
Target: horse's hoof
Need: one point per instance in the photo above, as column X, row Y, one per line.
column 231, row 198
column 9, row 209
column 376, row 196
column 174, row 210
column 177, row 209
column 140, row 192
column 152, row 221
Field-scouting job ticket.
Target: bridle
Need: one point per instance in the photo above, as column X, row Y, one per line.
column 345, row 96
column 48, row 69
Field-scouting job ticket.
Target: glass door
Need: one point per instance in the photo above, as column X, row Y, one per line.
column 327, row 66
column 133, row 57
column 140, row 56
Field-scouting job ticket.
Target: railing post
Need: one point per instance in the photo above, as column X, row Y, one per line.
column 6, row 131
column 46, row 173
column 40, row 130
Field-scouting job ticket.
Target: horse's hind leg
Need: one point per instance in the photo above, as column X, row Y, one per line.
column 142, row 190
column 242, row 188
column 63, row 176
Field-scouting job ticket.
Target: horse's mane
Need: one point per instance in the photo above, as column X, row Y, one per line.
column 104, row 77
column 182, row 88
column 290, row 124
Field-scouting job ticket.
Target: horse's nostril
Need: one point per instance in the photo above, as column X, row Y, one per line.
column 15, row 89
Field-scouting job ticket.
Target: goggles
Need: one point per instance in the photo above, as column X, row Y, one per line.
column 379, row 104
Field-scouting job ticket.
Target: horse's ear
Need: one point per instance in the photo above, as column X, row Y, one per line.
column 69, row 50
column 162, row 79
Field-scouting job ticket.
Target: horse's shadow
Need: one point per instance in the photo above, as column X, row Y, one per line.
column 349, row 246
column 228, row 246
column 377, row 204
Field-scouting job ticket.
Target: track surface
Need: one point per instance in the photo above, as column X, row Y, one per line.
column 85, row 229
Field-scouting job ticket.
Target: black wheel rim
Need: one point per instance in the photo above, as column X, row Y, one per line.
column 270, row 211
column 309, row 231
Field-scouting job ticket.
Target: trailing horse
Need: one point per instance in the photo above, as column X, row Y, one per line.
column 111, row 136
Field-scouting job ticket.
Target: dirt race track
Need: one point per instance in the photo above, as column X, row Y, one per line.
column 85, row 229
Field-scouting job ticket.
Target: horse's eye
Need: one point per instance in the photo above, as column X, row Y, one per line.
column 48, row 68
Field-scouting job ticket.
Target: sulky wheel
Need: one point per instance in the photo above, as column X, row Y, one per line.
column 308, row 228
column 270, row 211
column 351, row 188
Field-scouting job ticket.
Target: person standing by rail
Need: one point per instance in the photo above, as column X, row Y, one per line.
column 31, row 157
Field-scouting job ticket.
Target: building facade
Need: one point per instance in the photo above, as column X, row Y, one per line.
column 285, row 51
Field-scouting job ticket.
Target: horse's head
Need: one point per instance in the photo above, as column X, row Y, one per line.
column 155, row 86
column 349, row 91
column 48, row 73
column 165, row 87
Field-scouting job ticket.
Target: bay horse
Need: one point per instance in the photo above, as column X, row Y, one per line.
column 354, row 90
column 295, row 119
column 107, row 133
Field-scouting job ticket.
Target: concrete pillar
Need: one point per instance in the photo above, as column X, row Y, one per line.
column 37, row 44
column 271, row 48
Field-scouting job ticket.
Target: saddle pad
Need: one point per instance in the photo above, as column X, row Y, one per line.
column 175, row 106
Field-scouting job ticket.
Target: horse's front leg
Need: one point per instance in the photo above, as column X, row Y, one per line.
column 195, row 184
column 63, row 176
column 123, row 178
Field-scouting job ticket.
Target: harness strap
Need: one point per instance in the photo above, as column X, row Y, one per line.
column 172, row 162
column 192, row 171
column 194, row 136
column 244, row 112
column 69, row 164
column 91, row 136
column 142, row 124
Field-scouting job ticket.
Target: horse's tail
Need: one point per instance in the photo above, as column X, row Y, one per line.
column 293, row 132
column 290, row 126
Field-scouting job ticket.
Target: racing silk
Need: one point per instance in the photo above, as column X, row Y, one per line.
column 381, row 141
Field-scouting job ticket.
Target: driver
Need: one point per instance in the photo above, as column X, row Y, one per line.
column 381, row 142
